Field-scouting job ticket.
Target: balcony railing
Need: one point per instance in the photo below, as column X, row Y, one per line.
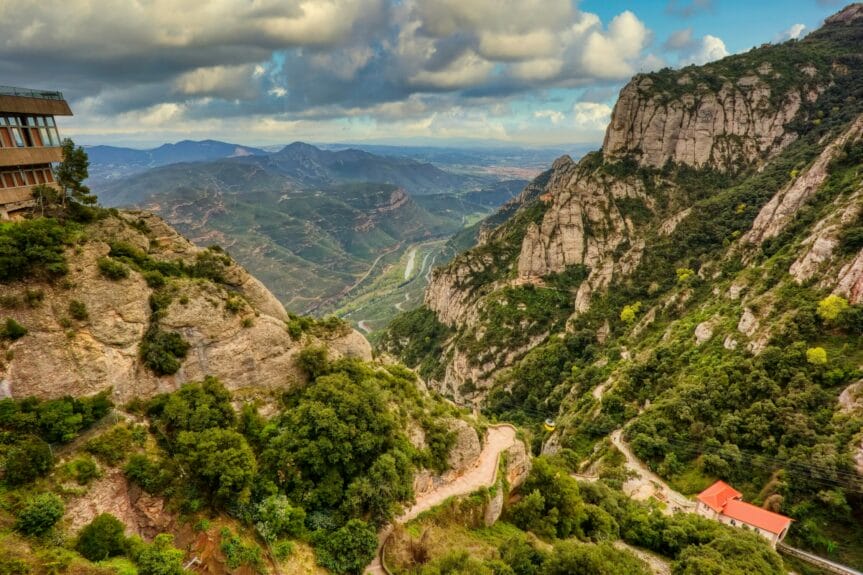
column 26, row 93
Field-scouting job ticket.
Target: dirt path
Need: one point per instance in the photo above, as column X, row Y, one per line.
column 656, row 564
column 497, row 440
column 412, row 260
column 647, row 484
column 364, row 326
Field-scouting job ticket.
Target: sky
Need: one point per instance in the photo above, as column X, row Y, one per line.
column 447, row 72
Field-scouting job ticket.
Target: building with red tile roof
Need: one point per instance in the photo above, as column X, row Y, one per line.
column 723, row 503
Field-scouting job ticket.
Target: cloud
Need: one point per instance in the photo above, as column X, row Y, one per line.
column 554, row 116
column 591, row 115
column 187, row 62
column 686, row 9
column 691, row 50
column 794, row 32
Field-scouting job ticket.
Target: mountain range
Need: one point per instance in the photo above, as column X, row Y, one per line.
column 310, row 223
column 695, row 286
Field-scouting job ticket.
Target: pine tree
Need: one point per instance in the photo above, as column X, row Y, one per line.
column 72, row 172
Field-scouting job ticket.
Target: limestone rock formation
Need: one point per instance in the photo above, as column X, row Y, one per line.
column 780, row 210
column 695, row 124
column 249, row 349
column 583, row 225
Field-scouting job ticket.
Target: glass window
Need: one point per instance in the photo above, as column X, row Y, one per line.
column 50, row 120
column 31, row 121
column 55, row 136
column 2, row 121
column 19, row 179
column 16, row 136
column 46, row 139
column 40, row 120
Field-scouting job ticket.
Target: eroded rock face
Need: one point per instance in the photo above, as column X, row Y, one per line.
column 249, row 350
column 142, row 514
column 583, row 225
column 724, row 129
column 463, row 455
column 780, row 210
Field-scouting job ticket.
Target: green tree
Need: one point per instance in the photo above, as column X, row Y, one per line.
column 101, row 538
column 347, row 549
column 47, row 198
column 40, row 514
column 831, row 307
column 220, row 461
column 684, row 275
column 816, row 355
column 628, row 313
column 553, row 506
column 72, row 172
column 571, row 557
column 275, row 517
column 27, row 460
column 738, row 553
column 158, row 558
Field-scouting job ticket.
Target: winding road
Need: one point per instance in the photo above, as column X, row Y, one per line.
column 483, row 474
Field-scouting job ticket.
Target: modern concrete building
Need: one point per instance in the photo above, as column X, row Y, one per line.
column 29, row 144
column 722, row 502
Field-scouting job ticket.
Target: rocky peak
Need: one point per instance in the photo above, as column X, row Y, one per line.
column 846, row 15
column 235, row 328
column 698, row 125
column 583, row 225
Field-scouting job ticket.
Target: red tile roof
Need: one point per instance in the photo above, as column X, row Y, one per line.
column 756, row 516
column 717, row 495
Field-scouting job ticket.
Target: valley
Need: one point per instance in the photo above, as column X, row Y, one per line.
column 639, row 357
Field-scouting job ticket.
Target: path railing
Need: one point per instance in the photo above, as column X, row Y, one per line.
column 820, row 562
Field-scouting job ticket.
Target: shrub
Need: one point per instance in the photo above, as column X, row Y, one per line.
column 237, row 553
column 13, row 330
column 276, row 518
column 101, row 538
column 150, row 475
column 684, row 275
column 283, row 549
column 163, row 351
column 628, row 313
column 816, row 355
column 348, row 549
column 235, row 305
column 83, row 470
column 159, row 558
column 34, row 297
column 113, row 446
column 313, row 360
column 40, row 514
column 12, row 566
column 27, row 460
column 831, row 307
column 111, row 269
column 78, row 310
column 154, row 278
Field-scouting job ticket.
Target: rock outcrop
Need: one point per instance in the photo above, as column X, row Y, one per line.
column 780, row 210
column 582, row 225
column 248, row 350
column 690, row 122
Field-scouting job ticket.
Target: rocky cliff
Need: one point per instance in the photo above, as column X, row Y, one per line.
column 700, row 167
column 236, row 328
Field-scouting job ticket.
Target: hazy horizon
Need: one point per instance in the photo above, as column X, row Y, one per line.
column 432, row 72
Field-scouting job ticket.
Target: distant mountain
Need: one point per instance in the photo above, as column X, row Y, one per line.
column 310, row 222
column 112, row 162
column 311, row 166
